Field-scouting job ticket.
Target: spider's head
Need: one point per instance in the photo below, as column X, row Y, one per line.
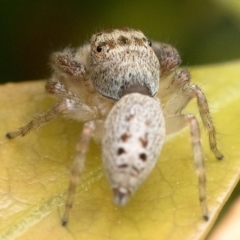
column 121, row 62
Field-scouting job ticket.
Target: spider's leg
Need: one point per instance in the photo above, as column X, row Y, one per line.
column 173, row 84
column 178, row 101
column 174, row 124
column 198, row 161
column 207, row 119
column 78, row 164
column 38, row 121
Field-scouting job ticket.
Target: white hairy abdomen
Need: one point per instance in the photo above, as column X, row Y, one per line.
column 133, row 137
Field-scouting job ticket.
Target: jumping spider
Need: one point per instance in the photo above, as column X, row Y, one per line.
column 115, row 81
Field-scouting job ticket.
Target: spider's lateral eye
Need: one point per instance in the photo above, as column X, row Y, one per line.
column 149, row 43
column 99, row 48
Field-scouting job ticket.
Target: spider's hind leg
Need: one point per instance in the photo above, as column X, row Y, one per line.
column 176, row 123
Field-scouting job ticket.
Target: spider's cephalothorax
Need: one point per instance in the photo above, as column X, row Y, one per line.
column 129, row 60
column 114, row 81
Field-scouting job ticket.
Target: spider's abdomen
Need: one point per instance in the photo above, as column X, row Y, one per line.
column 133, row 137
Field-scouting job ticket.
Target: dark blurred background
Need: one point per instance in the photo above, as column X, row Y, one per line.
column 203, row 31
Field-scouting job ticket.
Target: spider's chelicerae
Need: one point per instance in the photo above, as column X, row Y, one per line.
column 115, row 81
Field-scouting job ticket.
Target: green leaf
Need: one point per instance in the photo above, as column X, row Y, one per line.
column 34, row 172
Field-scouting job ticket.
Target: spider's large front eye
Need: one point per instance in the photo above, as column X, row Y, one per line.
column 149, row 43
column 99, row 48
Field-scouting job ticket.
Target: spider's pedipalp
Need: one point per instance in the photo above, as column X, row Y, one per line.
column 168, row 57
column 64, row 62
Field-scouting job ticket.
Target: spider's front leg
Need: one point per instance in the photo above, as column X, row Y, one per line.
column 78, row 164
column 69, row 105
column 182, row 93
column 38, row 121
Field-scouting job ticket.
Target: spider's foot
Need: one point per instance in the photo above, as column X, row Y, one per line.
column 64, row 223
column 206, row 217
column 219, row 155
column 11, row 135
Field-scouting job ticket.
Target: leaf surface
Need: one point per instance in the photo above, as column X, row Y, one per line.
column 34, row 172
